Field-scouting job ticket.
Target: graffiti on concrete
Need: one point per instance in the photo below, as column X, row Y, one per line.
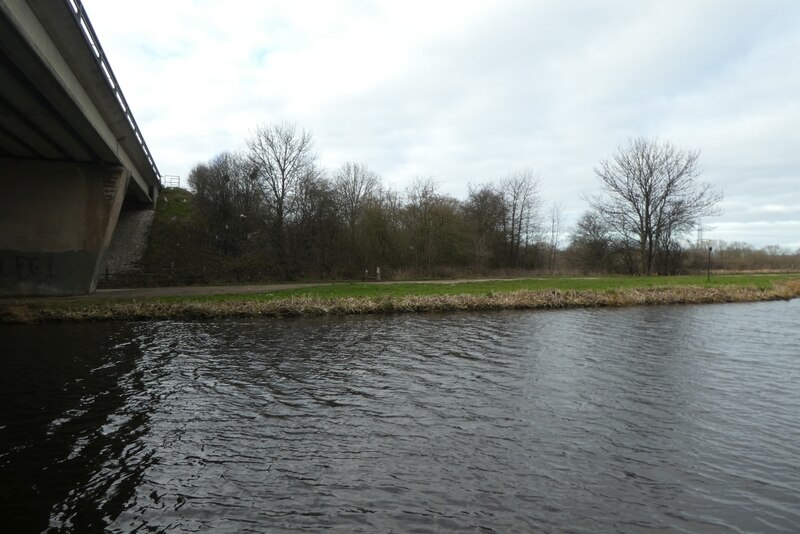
column 20, row 267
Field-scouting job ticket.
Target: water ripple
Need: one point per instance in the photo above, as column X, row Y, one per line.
column 679, row 418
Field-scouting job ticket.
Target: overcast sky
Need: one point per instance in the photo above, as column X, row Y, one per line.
column 467, row 91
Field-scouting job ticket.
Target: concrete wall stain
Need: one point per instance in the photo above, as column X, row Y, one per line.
column 22, row 267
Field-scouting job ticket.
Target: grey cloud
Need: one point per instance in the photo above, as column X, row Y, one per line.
column 470, row 95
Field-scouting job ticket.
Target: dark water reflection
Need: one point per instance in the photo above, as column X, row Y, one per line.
column 680, row 418
column 75, row 410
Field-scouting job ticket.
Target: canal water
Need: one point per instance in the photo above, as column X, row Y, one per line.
column 682, row 418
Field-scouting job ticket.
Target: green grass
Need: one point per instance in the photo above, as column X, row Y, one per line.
column 403, row 289
column 175, row 202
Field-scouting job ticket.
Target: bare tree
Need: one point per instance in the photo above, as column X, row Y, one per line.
column 381, row 238
column 435, row 226
column 591, row 243
column 228, row 198
column 523, row 212
column 282, row 159
column 485, row 210
column 651, row 196
column 555, row 216
column 353, row 185
column 315, row 228
column 421, row 197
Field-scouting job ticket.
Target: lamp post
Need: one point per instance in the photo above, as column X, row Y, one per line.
column 709, row 263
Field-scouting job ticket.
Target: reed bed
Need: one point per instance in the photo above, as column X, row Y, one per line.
column 311, row 305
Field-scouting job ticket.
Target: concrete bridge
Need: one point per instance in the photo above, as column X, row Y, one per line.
column 71, row 154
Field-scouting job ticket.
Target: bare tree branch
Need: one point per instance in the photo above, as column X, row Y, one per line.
column 651, row 196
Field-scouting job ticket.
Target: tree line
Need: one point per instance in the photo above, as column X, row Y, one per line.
column 271, row 212
column 275, row 210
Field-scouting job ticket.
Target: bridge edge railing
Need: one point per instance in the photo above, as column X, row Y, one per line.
column 81, row 17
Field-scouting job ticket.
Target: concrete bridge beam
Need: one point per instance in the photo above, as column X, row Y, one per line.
column 56, row 224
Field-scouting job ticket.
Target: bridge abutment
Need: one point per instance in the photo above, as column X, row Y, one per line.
column 56, row 221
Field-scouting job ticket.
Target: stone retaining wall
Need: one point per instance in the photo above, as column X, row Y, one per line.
column 129, row 242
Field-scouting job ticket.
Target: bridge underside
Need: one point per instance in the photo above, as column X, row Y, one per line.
column 68, row 154
column 57, row 221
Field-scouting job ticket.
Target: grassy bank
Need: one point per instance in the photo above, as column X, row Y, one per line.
column 348, row 298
